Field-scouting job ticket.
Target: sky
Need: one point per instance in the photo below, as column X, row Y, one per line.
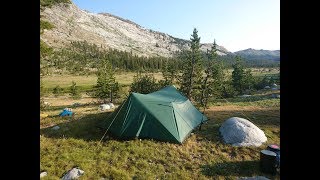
column 234, row 24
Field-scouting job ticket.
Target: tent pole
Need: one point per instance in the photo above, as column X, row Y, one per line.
column 112, row 120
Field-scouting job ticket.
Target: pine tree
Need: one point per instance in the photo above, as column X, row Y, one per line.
column 213, row 79
column 168, row 73
column 192, row 70
column 74, row 91
column 241, row 79
column 106, row 86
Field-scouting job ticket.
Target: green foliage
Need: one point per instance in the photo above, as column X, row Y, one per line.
column 45, row 25
column 45, row 50
column 49, row 3
column 57, row 91
column 169, row 74
column 82, row 58
column 212, row 82
column 229, row 59
column 228, row 90
column 144, row 84
column 241, row 79
column 106, row 86
column 45, row 55
column 190, row 80
column 74, row 91
column 41, row 88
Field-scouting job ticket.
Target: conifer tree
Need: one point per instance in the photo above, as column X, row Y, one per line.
column 241, row 78
column 190, row 80
column 106, row 86
column 212, row 82
column 74, row 91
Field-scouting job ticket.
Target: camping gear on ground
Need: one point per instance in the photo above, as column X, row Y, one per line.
column 164, row 115
column 56, row 128
column 268, row 161
column 66, row 112
column 276, row 149
column 111, row 105
column 104, row 107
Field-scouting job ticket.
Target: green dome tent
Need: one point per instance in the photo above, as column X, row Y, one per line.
column 164, row 115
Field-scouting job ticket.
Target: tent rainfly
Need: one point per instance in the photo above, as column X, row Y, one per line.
column 164, row 115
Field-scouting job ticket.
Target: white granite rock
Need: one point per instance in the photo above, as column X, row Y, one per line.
column 241, row 132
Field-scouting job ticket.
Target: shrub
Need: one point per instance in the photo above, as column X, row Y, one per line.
column 57, row 91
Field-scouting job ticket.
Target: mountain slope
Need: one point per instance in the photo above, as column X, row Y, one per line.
column 253, row 54
column 109, row 31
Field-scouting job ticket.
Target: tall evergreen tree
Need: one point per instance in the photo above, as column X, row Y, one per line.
column 168, row 73
column 192, row 70
column 241, row 78
column 106, row 86
column 213, row 79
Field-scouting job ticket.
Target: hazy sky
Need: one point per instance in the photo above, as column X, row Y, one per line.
column 235, row 24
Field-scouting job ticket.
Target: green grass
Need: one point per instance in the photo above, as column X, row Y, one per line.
column 88, row 81
column 202, row 156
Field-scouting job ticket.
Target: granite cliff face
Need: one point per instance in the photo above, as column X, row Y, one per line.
column 109, row 31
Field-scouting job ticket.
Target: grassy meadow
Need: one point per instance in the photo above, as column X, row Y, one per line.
column 203, row 155
column 124, row 78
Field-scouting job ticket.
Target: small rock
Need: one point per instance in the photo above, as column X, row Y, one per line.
column 267, row 87
column 43, row 174
column 56, row 128
column 74, row 173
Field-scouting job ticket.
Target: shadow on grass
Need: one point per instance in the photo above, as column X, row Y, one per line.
column 252, row 98
column 53, row 108
column 262, row 118
column 86, row 128
column 238, row 168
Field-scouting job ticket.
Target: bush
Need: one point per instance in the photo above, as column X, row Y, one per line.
column 45, row 25
column 57, row 91
column 228, row 90
column 74, row 91
column 144, row 84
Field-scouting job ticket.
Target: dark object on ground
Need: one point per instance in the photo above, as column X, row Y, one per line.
column 268, row 161
column 276, row 149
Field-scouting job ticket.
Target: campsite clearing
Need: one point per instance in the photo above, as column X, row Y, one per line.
column 203, row 155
